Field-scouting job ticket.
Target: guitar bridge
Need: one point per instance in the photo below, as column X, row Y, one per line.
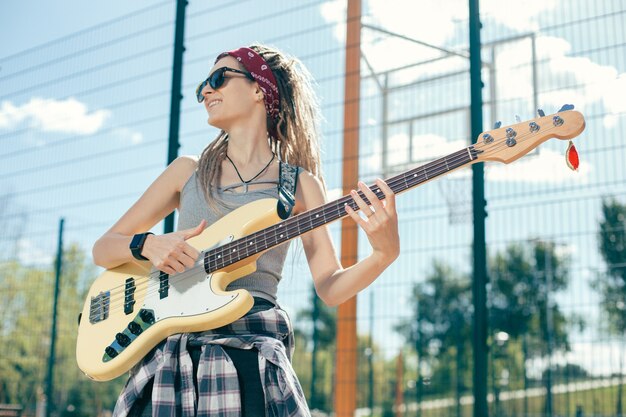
column 99, row 307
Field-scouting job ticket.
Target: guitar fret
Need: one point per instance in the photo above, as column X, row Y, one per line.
column 248, row 247
column 310, row 227
column 273, row 236
column 265, row 245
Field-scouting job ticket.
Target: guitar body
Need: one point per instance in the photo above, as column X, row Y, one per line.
column 129, row 309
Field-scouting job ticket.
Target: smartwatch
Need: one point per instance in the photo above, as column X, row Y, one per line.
column 136, row 245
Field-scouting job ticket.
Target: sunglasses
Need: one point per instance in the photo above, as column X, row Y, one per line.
column 216, row 80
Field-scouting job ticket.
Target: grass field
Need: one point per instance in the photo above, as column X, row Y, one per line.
column 587, row 398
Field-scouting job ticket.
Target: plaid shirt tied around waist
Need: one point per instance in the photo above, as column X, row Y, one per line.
column 170, row 364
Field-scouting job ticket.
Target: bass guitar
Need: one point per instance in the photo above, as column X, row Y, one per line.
column 131, row 308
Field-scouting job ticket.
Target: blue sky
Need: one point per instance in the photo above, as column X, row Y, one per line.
column 29, row 23
column 594, row 81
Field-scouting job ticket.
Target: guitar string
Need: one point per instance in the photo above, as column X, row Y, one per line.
column 462, row 154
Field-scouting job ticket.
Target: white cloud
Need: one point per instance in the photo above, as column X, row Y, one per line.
column 385, row 52
column 334, row 194
column 425, row 148
column 433, row 26
column 428, row 147
column 29, row 253
column 614, row 100
column 129, row 135
column 409, row 20
column 518, row 15
column 566, row 79
column 436, row 24
column 548, row 167
column 49, row 115
column 335, row 12
column 430, row 25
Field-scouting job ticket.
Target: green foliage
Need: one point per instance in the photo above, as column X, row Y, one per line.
column 612, row 285
column 523, row 280
column 26, row 294
column 440, row 328
column 324, row 320
column 315, row 329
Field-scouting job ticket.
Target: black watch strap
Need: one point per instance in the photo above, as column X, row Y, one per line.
column 136, row 245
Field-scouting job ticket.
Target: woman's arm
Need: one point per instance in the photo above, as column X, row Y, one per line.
column 160, row 199
column 333, row 283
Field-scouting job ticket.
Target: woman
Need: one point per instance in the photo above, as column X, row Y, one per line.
column 263, row 103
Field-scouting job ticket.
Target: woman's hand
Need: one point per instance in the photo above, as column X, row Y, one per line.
column 381, row 223
column 170, row 253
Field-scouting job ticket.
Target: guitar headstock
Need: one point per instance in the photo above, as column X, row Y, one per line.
column 508, row 143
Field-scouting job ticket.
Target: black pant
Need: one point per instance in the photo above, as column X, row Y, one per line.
column 246, row 363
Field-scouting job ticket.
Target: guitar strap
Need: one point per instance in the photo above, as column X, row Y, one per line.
column 287, row 183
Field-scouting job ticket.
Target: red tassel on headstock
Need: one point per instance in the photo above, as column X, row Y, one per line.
column 571, row 157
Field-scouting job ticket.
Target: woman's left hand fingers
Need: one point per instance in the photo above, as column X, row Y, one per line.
column 373, row 198
column 382, row 227
column 390, row 196
column 365, row 208
column 382, row 210
column 375, row 210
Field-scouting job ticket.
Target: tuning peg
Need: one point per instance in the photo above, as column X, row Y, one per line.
column 541, row 113
column 497, row 124
column 517, row 118
column 566, row 107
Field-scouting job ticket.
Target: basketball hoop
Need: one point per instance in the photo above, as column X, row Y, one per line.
column 457, row 192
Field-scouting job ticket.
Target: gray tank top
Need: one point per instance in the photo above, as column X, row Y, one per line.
column 193, row 208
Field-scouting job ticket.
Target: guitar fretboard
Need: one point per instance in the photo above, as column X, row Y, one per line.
column 293, row 227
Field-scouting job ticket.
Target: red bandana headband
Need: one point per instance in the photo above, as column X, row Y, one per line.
column 261, row 72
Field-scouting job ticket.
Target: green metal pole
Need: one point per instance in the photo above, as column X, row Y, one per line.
column 370, row 357
column 479, row 281
column 177, row 96
column 53, row 335
column 315, row 319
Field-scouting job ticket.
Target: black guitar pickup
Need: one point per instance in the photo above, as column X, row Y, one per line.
column 164, row 285
column 140, row 323
column 129, row 295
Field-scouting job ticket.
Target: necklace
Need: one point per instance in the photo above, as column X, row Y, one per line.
column 245, row 183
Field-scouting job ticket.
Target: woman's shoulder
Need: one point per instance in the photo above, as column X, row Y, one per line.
column 310, row 192
column 191, row 160
column 182, row 168
column 308, row 180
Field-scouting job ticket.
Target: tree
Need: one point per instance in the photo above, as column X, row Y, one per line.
column 441, row 328
column 315, row 330
column 25, row 323
column 612, row 284
column 317, row 338
column 524, row 279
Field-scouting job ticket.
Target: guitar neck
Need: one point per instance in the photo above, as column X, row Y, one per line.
column 293, row 227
